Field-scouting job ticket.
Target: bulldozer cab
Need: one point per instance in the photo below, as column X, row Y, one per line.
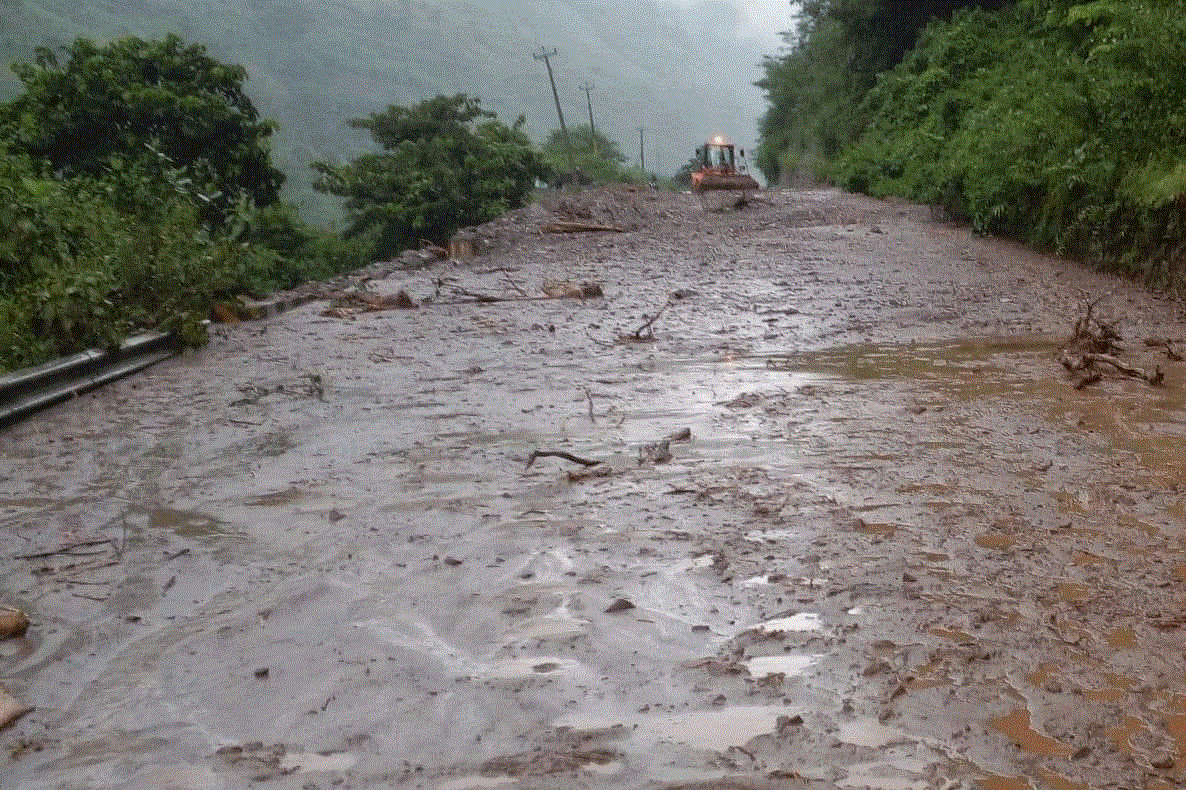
column 719, row 167
column 717, row 153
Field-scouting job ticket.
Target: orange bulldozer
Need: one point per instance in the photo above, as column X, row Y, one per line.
column 719, row 168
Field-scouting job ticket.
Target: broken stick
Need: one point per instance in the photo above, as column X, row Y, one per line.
column 558, row 454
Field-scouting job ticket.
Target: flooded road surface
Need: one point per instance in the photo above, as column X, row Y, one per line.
column 899, row 549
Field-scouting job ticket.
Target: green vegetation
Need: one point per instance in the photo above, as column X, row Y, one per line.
column 446, row 164
column 1056, row 122
column 596, row 157
column 135, row 189
column 100, row 108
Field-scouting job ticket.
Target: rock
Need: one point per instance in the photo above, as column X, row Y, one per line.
column 619, row 605
column 13, row 622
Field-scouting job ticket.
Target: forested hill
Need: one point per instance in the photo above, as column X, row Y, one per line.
column 1058, row 122
column 682, row 73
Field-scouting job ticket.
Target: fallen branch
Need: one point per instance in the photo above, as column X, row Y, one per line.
column 67, row 549
column 579, row 227
column 1153, row 378
column 1094, row 342
column 367, row 302
column 507, row 276
column 559, row 454
column 637, row 334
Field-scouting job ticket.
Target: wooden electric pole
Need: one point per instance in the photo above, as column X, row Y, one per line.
column 544, row 55
column 592, row 131
column 642, row 156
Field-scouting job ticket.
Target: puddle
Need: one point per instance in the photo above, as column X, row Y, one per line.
column 529, row 667
column 275, row 498
column 711, row 730
column 790, row 666
column 803, row 621
column 608, row 768
column 1056, row 782
column 311, row 763
column 994, row 540
column 1016, row 727
column 557, row 626
column 1122, row 639
column 953, row 635
column 903, row 774
column 189, row 524
column 870, row 733
column 475, row 782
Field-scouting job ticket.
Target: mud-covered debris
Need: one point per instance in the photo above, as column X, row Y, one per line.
column 746, row 400
column 365, row 302
column 655, row 453
column 11, row 708
column 258, row 762
column 1166, row 345
column 580, row 227
column 262, row 672
column 601, row 470
column 542, row 762
column 13, row 622
column 619, row 605
column 560, row 289
column 1094, row 342
column 682, row 435
column 684, row 293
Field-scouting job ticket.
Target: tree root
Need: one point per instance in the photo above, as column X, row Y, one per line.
column 1094, row 342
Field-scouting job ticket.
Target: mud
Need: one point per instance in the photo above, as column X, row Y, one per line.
column 900, row 550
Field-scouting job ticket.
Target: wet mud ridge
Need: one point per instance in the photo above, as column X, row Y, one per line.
column 799, row 497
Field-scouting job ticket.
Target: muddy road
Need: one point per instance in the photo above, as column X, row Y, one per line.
column 899, row 549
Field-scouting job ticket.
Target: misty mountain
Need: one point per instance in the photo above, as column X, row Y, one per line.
column 681, row 72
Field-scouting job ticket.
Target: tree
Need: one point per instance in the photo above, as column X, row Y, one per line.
column 446, row 164
column 133, row 100
column 595, row 156
column 815, row 88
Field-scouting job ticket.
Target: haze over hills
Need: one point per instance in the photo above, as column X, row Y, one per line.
column 681, row 72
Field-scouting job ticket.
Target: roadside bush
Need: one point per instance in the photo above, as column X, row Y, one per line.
column 1054, row 122
column 85, row 262
column 135, row 190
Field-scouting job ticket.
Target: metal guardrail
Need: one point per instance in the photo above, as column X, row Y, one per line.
column 31, row 389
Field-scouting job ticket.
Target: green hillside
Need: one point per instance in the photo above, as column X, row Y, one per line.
column 1056, row 122
column 681, row 74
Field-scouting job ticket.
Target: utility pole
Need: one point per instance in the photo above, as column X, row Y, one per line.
column 544, row 55
column 589, row 103
column 642, row 156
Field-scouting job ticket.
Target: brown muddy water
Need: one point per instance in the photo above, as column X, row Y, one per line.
column 899, row 551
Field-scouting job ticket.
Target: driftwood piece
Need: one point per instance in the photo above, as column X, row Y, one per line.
column 559, row 454
column 1155, row 377
column 69, row 548
column 1094, row 342
column 564, row 226
column 367, row 302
